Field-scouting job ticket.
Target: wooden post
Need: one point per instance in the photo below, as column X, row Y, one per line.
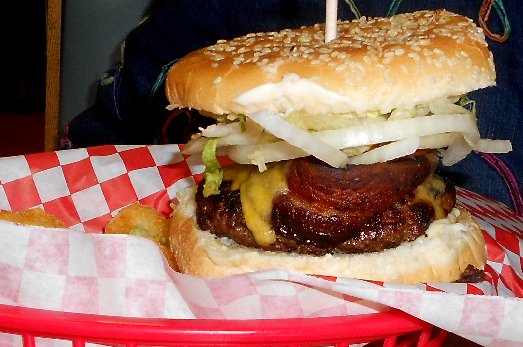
column 52, row 84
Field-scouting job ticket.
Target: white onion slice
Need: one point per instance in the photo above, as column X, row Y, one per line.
column 276, row 151
column 446, row 106
column 387, row 152
column 395, row 130
column 461, row 148
column 227, row 135
column 370, row 134
column 281, row 150
column 435, row 132
column 457, row 132
column 277, row 126
column 439, row 140
column 221, row 129
column 197, row 145
column 492, row 146
column 455, row 152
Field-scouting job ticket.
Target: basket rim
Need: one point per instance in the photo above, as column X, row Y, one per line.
column 107, row 329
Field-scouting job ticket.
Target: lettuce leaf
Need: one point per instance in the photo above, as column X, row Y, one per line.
column 467, row 103
column 213, row 173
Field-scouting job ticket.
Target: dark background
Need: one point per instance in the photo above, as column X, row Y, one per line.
column 22, row 76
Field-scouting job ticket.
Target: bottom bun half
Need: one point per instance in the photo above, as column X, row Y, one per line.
column 449, row 247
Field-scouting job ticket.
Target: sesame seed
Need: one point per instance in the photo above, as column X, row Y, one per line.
column 414, row 56
column 305, row 38
column 389, row 54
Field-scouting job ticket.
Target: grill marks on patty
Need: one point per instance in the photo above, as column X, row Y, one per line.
column 404, row 221
column 327, row 210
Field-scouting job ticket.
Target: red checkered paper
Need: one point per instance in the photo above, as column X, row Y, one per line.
column 79, row 269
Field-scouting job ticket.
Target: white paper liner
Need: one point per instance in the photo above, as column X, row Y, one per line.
column 70, row 270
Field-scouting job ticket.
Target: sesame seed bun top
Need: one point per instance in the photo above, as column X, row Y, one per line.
column 375, row 64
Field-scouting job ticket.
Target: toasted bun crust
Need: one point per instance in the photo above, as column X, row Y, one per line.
column 374, row 64
column 451, row 245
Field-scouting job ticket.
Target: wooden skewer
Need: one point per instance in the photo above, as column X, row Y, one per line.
column 331, row 19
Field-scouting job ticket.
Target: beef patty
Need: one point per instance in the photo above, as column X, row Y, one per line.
column 361, row 208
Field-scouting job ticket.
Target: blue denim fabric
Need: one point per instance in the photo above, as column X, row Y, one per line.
column 125, row 112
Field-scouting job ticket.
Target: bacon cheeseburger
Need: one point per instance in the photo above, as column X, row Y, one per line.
column 336, row 144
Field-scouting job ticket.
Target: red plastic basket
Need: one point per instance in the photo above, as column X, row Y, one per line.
column 392, row 328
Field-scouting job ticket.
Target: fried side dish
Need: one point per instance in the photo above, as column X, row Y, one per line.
column 34, row 216
column 146, row 221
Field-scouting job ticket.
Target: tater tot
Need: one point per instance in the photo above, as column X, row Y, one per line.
column 34, row 216
column 142, row 220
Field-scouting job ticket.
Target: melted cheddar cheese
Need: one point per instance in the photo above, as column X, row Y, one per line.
column 257, row 191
